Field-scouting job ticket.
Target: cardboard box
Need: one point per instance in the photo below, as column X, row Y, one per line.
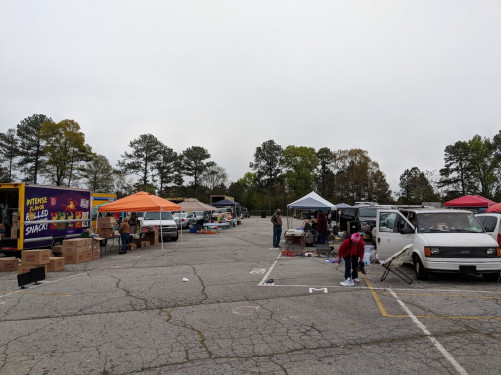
column 23, row 268
column 88, row 243
column 145, row 244
column 75, row 243
column 106, row 232
column 8, row 264
column 106, row 222
column 96, row 254
column 35, row 256
column 96, row 244
column 151, row 237
column 87, row 255
column 74, row 257
column 14, row 230
column 56, row 264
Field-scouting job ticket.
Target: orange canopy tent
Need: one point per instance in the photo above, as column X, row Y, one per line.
column 141, row 202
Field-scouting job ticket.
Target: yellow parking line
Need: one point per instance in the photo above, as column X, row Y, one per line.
column 442, row 295
column 379, row 304
column 384, row 313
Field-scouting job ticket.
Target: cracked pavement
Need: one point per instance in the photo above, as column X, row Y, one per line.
column 133, row 314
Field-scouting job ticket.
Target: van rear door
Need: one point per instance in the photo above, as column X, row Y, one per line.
column 389, row 239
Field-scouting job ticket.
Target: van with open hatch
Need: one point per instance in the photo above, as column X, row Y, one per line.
column 443, row 240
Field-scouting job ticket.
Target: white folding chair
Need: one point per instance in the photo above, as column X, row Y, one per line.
column 392, row 263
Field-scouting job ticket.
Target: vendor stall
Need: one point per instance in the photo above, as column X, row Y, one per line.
column 309, row 203
column 294, row 241
column 141, row 202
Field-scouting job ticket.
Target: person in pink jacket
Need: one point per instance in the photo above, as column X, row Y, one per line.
column 351, row 249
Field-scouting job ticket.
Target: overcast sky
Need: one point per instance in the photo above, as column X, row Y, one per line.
column 400, row 79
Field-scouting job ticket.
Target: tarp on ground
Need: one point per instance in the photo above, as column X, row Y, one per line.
column 140, row 202
column 469, row 201
column 193, row 204
column 312, row 201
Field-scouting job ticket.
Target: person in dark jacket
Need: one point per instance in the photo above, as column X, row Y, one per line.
column 322, row 227
column 351, row 250
column 276, row 219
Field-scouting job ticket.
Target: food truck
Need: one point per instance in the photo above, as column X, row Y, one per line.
column 36, row 216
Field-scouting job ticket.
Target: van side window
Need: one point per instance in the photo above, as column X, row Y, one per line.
column 489, row 224
column 387, row 221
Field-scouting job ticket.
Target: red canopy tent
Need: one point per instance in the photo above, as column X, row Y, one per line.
column 494, row 208
column 470, row 201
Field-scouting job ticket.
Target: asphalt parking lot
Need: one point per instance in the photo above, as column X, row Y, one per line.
column 134, row 314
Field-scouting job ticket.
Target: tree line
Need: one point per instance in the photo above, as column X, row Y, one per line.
column 39, row 150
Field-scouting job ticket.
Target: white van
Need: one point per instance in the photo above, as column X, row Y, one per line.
column 444, row 240
column 167, row 227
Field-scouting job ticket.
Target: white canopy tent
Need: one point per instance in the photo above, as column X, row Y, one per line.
column 311, row 201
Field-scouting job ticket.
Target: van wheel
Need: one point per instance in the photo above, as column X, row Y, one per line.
column 421, row 272
column 175, row 238
column 493, row 276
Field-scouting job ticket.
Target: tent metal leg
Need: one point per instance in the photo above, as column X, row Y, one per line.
column 397, row 272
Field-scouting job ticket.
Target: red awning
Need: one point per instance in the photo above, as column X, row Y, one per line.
column 470, row 201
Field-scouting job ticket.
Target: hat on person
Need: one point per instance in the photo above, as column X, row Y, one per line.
column 355, row 237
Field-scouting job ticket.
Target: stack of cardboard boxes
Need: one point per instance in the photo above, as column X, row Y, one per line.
column 105, row 226
column 151, row 237
column 15, row 225
column 141, row 243
column 8, row 264
column 32, row 259
column 78, row 250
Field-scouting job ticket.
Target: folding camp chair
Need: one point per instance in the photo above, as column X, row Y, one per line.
column 392, row 263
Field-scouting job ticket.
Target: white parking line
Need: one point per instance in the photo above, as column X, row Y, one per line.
column 434, row 341
column 261, row 283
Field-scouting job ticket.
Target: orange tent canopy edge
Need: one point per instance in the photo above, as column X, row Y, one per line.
column 140, row 202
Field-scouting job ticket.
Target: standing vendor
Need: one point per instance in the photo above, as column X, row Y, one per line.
column 133, row 223
column 124, row 230
column 322, row 227
column 276, row 219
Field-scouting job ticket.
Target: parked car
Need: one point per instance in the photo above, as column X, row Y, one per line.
column 443, row 240
column 184, row 220
column 166, row 226
column 492, row 225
